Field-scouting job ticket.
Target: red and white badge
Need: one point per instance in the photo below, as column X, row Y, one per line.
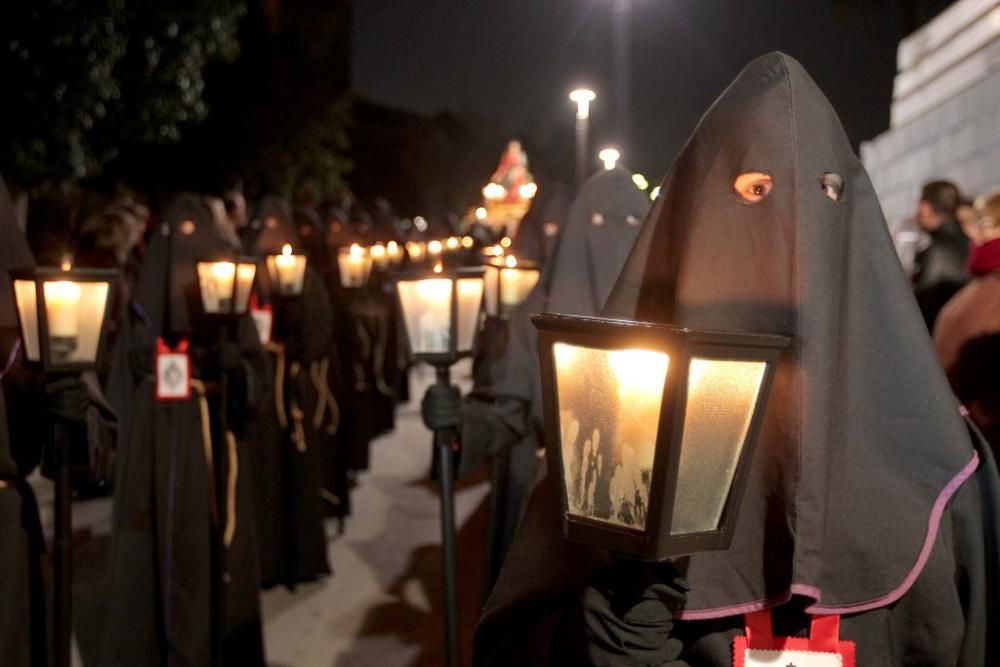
column 263, row 318
column 823, row 648
column 173, row 371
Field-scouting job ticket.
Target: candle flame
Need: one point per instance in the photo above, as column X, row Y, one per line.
column 468, row 242
column 434, row 247
column 392, row 247
column 438, row 268
column 66, row 265
column 453, row 243
column 286, row 249
column 511, row 261
column 223, row 270
column 378, row 250
column 356, row 250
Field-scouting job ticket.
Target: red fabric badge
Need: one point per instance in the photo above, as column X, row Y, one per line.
column 823, row 648
column 263, row 318
column 173, row 371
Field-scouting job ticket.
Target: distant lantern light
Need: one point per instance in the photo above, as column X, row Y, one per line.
column 654, row 194
column 420, row 223
column 494, row 191
column 225, row 285
column 441, row 313
column 508, row 282
column 481, row 213
column 380, row 256
column 640, row 181
column 355, row 264
column 527, row 191
column 453, row 243
column 417, row 250
column 395, row 252
column 583, row 97
column 435, row 247
column 505, row 242
column 468, row 242
column 287, row 271
column 676, row 413
column 610, row 157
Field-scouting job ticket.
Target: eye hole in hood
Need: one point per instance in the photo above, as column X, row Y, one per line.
column 833, row 185
column 753, row 186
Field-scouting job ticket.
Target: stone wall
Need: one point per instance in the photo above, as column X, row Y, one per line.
column 945, row 111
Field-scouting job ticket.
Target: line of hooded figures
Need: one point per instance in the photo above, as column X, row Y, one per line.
column 871, row 499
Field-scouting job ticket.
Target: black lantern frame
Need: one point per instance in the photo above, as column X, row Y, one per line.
column 453, row 353
column 238, row 301
column 655, row 542
column 493, row 278
column 44, row 356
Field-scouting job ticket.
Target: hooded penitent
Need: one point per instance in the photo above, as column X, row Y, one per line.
column 866, row 492
column 539, row 230
column 168, row 505
column 505, row 412
column 22, row 434
column 293, row 433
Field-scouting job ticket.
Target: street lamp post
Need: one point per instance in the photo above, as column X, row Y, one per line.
column 623, row 73
column 583, row 97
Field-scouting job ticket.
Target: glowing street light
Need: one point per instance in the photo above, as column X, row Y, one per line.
column 481, row 213
column 640, row 181
column 610, row 157
column 583, row 97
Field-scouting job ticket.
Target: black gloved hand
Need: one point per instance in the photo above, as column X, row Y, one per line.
column 442, row 407
column 627, row 617
column 230, row 358
column 66, row 399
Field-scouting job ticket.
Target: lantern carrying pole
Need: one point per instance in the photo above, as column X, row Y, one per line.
column 62, row 552
column 443, row 441
column 220, row 457
column 496, row 526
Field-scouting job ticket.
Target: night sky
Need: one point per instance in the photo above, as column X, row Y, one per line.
column 513, row 61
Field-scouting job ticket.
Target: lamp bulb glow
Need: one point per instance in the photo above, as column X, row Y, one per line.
column 610, row 157
column 583, row 97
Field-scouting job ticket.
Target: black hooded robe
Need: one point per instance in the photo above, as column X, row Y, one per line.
column 296, row 423
column 503, row 415
column 867, row 496
column 168, row 507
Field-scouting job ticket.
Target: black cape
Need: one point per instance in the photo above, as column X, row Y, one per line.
column 293, row 432
column 22, row 611
column 168, row 505
column 504, row 411
column 538, row 232
column 867, row 495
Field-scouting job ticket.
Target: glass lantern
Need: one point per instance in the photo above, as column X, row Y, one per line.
column 440, row 311
column 355, row 264
column 650, row 429
column 508, row 283
column 287, row 271
column 63, row 316
column 225, row 285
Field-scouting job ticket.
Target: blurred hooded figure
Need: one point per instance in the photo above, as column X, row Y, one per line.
column 868, row 498
column 538, row 233
column 23, row 431
column 178, row 507
column 292, row 435
column 500, row 421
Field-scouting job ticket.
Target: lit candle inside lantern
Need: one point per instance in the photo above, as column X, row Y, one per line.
column 505, row 242
column 417, row 250
column 355, row 264
column 286, row 265
column 224, row 275
column 468, row 241
column 394, row 252
column 379, row 255
column 452, row 243
column 62, row 307
column 640, row 375
column 434, row 323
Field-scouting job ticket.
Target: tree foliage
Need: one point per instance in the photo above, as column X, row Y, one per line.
column 82, row 79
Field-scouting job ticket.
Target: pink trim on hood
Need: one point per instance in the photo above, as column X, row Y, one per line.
column 805, row 590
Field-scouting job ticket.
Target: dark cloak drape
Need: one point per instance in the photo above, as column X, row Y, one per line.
column 294, row 430
column 867, row 496
column 158, row 607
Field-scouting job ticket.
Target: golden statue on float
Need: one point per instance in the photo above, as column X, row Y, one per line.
column 508, row 195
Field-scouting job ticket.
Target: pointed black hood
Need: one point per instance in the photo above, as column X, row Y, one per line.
column 862, row 443
column 277, row 227
column 167, row 290
column 542, row 224
column 14, row 254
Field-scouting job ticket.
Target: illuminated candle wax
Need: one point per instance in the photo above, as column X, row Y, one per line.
column 354, row 266
column 289, row 269
column 640, row 375
column 62, row 306
column 394, row 252
column 379, row 255
column 223, row 277
column 515, row 284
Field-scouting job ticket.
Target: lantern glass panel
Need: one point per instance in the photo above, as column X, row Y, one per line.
column 355, row 264
column 74, row 312
column 470, row 303
column 516, row 284
column 245, row 272
column 427, row 312
column 217, row 281
column 491, row 278
column 722, row 395
column 27, row 307
column 609, row 413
